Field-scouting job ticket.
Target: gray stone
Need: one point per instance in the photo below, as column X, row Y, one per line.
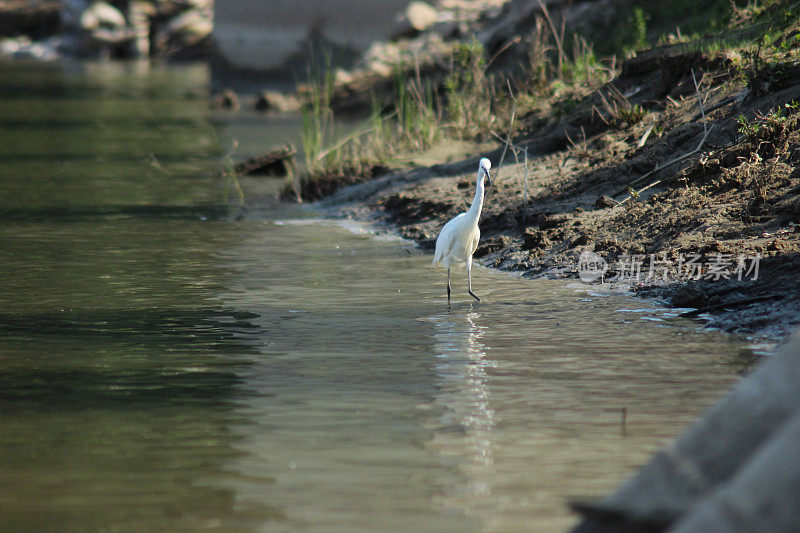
column 763, row 496
column 734, row 445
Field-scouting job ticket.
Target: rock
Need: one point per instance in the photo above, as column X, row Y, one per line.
column 103, row 31
column 380, row 68
column 782, row 246
column 199, row 4
column 380, row 58
column 106, row 37
column 421, row 16
column 551, row 221
column 89, row 21
column 185, row 35
column 101, row 15
column 581, row 240
column 179, row 29
column 689, row 296
column 41, row 51
column 763, row 491
column 145, row 7
column 604, row 202
column 533, row 238
column 417, row 18
column 170, row 8
column 12, row 45
column 278, row 162
column 226, row 99
column 190, row 26
column 22, row 46
column 342, row 77
column 275, row 101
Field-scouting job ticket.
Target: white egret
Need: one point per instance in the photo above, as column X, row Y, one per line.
column 459, row 237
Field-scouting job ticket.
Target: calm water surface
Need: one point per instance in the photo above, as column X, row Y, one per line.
column 172, row 359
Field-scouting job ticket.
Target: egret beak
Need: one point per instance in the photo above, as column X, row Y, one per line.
column 488, row 177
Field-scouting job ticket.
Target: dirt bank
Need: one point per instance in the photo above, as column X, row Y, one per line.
column 680, row 175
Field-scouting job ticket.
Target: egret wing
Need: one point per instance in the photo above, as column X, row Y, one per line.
column 448, row 238
column 476, row 238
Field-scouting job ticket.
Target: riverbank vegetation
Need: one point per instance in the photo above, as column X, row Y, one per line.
column 554, row 71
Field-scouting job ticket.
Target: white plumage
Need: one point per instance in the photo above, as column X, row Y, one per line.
column 459, row 237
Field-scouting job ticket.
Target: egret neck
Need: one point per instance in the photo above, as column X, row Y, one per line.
column 474, row 212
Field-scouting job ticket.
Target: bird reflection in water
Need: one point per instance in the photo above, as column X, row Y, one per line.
column 465, row 430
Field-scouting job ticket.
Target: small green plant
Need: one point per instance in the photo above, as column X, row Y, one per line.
column 540, row 66
column 633, row 198
column 616, row 110
column 760, row 67
column 583, row 67
column 466, row 89
column 761, row 76
column 631, row 114
column 747, row 127
column 766, row 125
column 229, row 171
column 417, row 116
column 317, row 117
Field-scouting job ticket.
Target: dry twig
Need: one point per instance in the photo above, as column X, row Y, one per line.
column 525, row 193
column 645, row 136
column 700, row 102
column 738, row 97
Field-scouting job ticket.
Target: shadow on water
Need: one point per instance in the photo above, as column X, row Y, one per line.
column 184, row 357
column 54, row 158
column 130, row 390
column 56, row 124
column 120, row 367
column 75, row 214
column 183, row 328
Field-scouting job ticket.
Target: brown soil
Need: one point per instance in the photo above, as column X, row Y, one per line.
column 739, row 195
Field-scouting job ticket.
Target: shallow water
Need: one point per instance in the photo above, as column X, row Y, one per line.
column 171, row 360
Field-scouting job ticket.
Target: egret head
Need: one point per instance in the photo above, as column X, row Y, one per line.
column 484, row 166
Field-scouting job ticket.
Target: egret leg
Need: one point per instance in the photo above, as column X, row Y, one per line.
column 469, row 279
column 448, row 285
